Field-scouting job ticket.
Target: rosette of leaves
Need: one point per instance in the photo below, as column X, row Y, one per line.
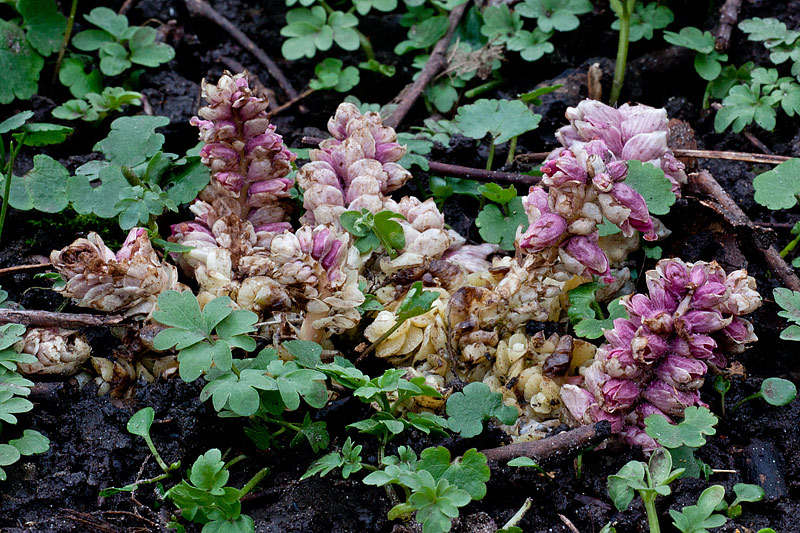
column 757, row 101
column 309, row 30
column 119, row 45
column 24, row 43
column 502, row 26
column 94, row 107
column 13, row 391
column 782, row 43
column 645, row 19
column 559, row 15
column 330, row 75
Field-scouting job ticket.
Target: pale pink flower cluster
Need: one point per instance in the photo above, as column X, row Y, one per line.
column 654, row 362
column 128, row 281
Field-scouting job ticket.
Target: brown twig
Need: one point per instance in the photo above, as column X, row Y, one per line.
column 199, row 7
column 49, row 319
column 705, row 183
column 755, row 141
column 126, row 5
column 748, row 157
column 733, row 156
column 290, row 103
column 729, row 14
column 435, row 64
column 561, row 445
column 568, row 523
column 21, row 268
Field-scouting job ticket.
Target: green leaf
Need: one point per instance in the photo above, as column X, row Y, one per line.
column 502, row 119
column 417, row 302
column 139, row 424
column 778, row 188
column 108, row 20
column 531, row 45
column 133, row 140
column 746, row 492
column 652, row 184
column 743, row 105
column 364, row 6
column 306, row 353
column 778, row 391
column 145, row 51
column 436, row 502
column 789, row 301
column 526, row 462
column 417, row 150
column 114, row 59
column 375, row 66
column 708, row 66
column 692, row 38
column 330, row 75
column 653, row 252
column 697, row 518
column 593, row 328
column 621, row 486
column 45, row 26
column 8, row 455
column 99, row 199
column 557, row 15
column 208, row 472
column 691, row 431
column 645, row 19
column 20, row 64
column 500, row 24
column 14, row 122
column 73, row 75
column 423, row 35
column 496, row 228
column 467, row 410
column 90, row 40
column 42, row 133
column 43, row 188
column 496, row 193
column 469, row 473
column 33, row 442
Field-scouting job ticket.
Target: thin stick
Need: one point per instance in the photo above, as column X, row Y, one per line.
column 755, row 141
column 20, row 268
column 290, row 103
column 435, row 64
column 125, row 6
column 199, row 7
column 67, row 34
column 695, row 154
column 568, row 523
column 562, row 444
column 706, row 183
column 729, row 14
column 49, row 319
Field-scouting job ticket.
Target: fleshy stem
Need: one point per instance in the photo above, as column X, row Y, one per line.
column 649, row 501
column 12, row 155
column 491, row 157
column 622, row 48
column 512, row 150
column 518, row 516
column 482, row 88
column 255, row 480
column 381, row 339
column 744, row 400
column 789, row 247
column 65, row 41
column 157, row 456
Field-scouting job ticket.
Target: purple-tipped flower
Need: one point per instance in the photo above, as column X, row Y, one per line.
column 588, row 253
column 662, row 352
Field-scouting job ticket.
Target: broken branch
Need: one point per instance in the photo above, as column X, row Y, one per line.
column 49, row 319
column 561, row 445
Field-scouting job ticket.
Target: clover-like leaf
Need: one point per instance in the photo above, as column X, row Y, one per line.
column 331, row 75
column 108, row 20
column 95, row 188
column 495, row 227
column 139, row 424
column 42, row 188
column 652, row 184
column 19, row 62
column 306, row 353
column 560, row 15
column 778, row 188
column 423, row 35
column 417, row 150
column 417, row 302
column 692, row 38
column 500, row 24
column 502, row 119
column 744, row 105
column 468, row 409
column 699, row 518
column 146, row 51
column 691, row 431
column 621, row 486
column 45, row 26
column 364, row 6
column 531, row 45
column 133, row 140
column 73, row 75
column 645, row 19
column 33, row 442
column 469, row 472
column 778, row 391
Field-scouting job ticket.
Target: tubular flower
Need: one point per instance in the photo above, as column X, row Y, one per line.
column 582, row 185
column 655, row 361
column 129, row 280
column 630, row 132
column 59, row 351
column 356, row 170
column 249, row 161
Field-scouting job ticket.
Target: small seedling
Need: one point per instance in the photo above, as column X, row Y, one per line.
column 649, row 480
column 585, row 312
column 417, row 302
column 722, row 385
column 757, row 100
column 707, row 62
column 624, row 11
column 499, row 225
column 745, row 492
column 373, row 231
column 774, row 391
column 697, row 518
column 476, row 403
column 783, row 43
column 789, row 301
column 682, row 439
column 646, row 18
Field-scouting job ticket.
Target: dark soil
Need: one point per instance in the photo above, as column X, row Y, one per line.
column 91, row 449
